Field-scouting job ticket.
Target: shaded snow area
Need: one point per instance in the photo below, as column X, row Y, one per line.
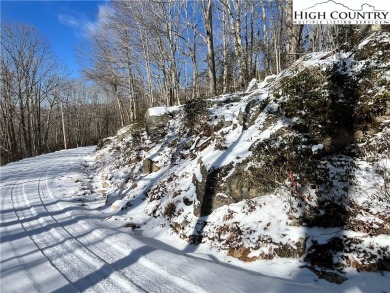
column 289, row 179
column 281, row 188
column 55, row 238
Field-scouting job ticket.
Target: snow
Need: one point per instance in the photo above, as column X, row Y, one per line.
column 49, row 225
column 317, row 147
column 387, row 76
column 160, row 111
column 240, row 121
column 45, row 229
column 252, row 85
column 266, row 81
column 95, row 222
column 123, row 130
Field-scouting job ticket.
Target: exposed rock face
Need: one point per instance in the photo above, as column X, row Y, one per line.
column 219, row 188
column 103, row 142
column 213, row 191
column 200, row 190
column 241, row 253
column 269, row 167
column 281, row 250
column 156, row 119
column 149, row 166
column 340, row 140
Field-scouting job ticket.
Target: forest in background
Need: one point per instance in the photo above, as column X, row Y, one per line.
column 144, row 54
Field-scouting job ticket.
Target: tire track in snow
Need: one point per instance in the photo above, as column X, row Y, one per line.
column 70, row 259
column 141, row 270
column 78, row 250
column 81, row 249
column 32, row 224
column 12, row 187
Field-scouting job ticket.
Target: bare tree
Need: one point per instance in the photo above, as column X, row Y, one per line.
column 293, row 34
column 29, row 69
column 207, row 6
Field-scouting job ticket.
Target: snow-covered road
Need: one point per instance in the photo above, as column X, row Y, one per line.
column 51, row 242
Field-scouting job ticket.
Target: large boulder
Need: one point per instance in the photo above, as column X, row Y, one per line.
column 157, row 118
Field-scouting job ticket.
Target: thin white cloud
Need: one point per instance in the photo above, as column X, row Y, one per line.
column 83, row 26
column 104, row 11
column 69, row 20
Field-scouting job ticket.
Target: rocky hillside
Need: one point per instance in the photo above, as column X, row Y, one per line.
column 297, row 166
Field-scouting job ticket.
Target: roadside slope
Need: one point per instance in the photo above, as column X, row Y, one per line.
column 52, row 240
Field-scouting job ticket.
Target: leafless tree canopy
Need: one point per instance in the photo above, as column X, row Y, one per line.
column 142, row 54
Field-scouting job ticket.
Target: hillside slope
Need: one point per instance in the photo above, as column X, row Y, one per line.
column 297, row 166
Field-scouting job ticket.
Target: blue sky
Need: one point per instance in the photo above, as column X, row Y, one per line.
column 63, row 23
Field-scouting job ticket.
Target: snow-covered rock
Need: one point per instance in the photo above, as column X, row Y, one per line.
column 296, row 168
column 252, row 85
column 156, row 119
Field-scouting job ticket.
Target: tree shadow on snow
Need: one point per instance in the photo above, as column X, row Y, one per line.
column 330, row 222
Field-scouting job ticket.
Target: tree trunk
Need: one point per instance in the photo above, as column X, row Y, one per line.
column 293, row 34
column 208, row 23
column 63, row 126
